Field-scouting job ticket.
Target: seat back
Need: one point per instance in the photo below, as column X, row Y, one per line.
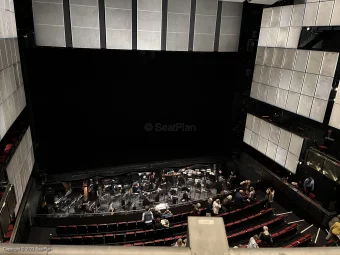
column 66, row 240
column 72, row 230
column 112, row 227
column 61, row 230
column 82, row 229
column 102, row 228
column 92, row 229
column 109, row 238
column 98, row 239
column 87, row 240
column 77, row 240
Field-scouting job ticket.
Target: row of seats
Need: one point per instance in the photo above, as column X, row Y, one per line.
column 278, row 236
column 148, row 234
column 100, row 239
column 137, row 225
column 248, row 220
column 239, row 213
column 332, row 243
column 159, row 242
column 114, row 227
column 302, row 242
column 141, row 235
column 244, row 234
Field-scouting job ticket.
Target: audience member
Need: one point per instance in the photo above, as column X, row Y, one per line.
column 210, row 207
column 227, row 204
column 167, row 214
column 165, row 223
column 158, row 224
column 196, row 211
column 331, row 225
column 147, row 218
column 253, row 242
column 335, row 230
column 252, row 194
column 239, row 200
column 179, row 243
column 216, row 207
column 308, row 185
column 270, row 192
column 157, row 213
column 246, row 185
column 265, row 237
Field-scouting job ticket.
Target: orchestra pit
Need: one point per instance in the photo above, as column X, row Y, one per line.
column 179, row 126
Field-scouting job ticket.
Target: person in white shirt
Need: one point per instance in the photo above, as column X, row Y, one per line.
column 253, row 242
column 216, row 206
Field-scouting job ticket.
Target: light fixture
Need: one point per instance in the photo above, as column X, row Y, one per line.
column 300, row 162
column 308, row 28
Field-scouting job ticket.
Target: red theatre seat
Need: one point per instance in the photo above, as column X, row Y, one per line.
column 311, row 196
column 78, row 240
column 87, row 240
column 98, row 239
column 109, row 238
column 151, row 243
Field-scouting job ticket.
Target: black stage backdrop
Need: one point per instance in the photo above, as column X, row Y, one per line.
column 90, row 107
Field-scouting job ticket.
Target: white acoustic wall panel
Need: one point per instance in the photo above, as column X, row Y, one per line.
column 292, row 162
column 292, row 79
column 324, row 13
column 263, row 143
column 329, row 63
column 12, row 95
column 286, row 15
column 21, row 165
column 314, row 62
column 276, row 143
column 310, row 14
column 271, row 150
column 247, row 136
column 335, row 21
column 249, row 121
column 297, row 15
column 149, row 24
column 281, row 156
column 284, row 139
column 301, row 60
column 296, row 143
column 318, row 109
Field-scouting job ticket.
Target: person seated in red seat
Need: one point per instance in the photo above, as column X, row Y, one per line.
column 179, row 243
column 167, row 214
column 239, row 200
column 265, row 237
column 158, row 224
column 210, row 207
column 227, row 204
column 308, row 185
column 196, row 211
column 253, row 242
column 216, row 207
